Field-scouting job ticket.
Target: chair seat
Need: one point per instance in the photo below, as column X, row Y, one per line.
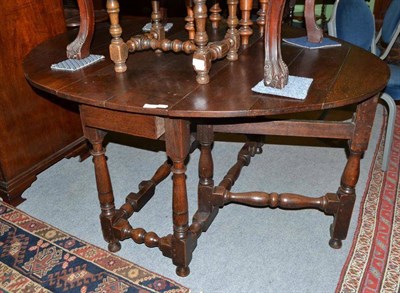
column 393, row 86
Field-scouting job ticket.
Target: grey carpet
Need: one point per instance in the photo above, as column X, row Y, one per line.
column 245, row 249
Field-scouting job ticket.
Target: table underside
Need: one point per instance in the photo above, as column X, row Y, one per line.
column 183, row 136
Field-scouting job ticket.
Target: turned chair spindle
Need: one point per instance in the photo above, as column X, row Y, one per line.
column 245, row 30
column 157, row 26
column 118, row 49
column 232, row 32
column 215, row 16
column 261, row 15
column 190, row 19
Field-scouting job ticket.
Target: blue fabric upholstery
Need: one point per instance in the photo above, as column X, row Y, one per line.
column 391, row 20
column 390, row 23
column 355, row 23
column 393, row 86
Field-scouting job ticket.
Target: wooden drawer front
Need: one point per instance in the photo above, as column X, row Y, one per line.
column 129, row 123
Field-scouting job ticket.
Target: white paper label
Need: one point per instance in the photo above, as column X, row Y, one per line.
column 155, row 106
column 199, row 64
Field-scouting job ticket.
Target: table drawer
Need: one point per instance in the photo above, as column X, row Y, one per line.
column 134, row 124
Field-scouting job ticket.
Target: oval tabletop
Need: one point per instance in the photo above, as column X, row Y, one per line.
column 341, row 75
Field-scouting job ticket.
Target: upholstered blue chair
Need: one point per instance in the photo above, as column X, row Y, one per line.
column 355, row 24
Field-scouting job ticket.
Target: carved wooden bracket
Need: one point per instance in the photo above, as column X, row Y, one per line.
column 80, row 47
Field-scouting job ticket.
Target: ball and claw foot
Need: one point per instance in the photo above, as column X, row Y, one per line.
column 182, row 271
column 114, row 246
column 276, row 74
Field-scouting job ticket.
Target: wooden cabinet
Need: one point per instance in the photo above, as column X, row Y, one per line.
column 36, row 130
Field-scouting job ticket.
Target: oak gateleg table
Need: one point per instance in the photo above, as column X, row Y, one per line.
column 111, row 101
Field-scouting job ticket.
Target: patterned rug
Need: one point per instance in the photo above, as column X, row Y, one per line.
column 36, row 257
column 373, row 264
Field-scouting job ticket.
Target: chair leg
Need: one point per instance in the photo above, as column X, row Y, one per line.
column 389, row 130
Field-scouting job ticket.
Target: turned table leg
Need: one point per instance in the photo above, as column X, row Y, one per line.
column 177, row 139
column 104, row 187
column 275, row 70
column 358, row 144
column 206, row 211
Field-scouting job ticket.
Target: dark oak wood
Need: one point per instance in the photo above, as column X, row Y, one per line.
column 321, row 129
column 151, row 126
column 358, row 144
column 36, row 130
column 344, row 75
column 206, row 212
column 104, row 187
